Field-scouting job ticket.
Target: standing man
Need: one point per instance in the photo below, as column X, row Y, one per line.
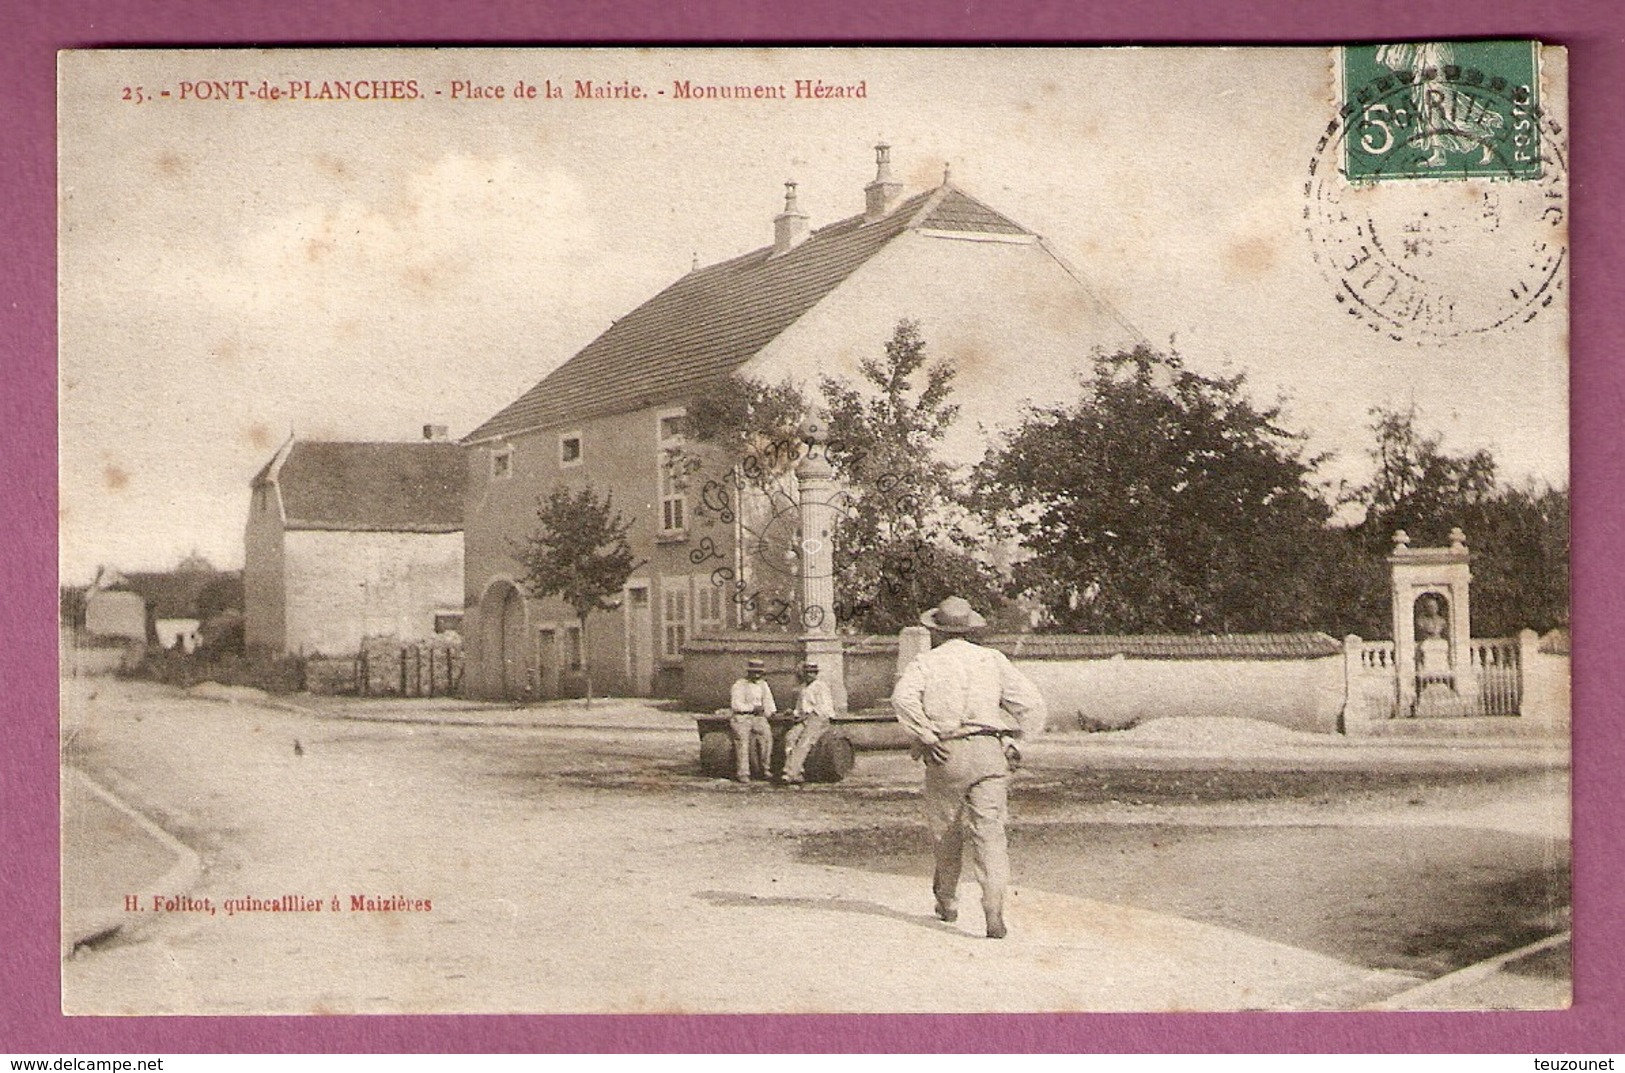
column 965, row 705
column 751, row 702
column 814, row 710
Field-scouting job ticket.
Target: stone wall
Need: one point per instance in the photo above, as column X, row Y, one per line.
column 343, row 586
column 1088, row 682
column 388, row 668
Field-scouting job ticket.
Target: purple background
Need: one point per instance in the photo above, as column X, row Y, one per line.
column 29, row 970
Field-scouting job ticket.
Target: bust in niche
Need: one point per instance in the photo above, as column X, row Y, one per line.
column 1432, row 637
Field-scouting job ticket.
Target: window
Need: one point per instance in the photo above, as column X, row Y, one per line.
column 673, row 616
column 709, row 607
column 448, row 622
column 570, row 449
column 572, row 647
column 501, row 463
column 668, row 457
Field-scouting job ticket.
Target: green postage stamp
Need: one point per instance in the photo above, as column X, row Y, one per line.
column 1442, row 110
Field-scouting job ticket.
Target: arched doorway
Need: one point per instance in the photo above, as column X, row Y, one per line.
column 504, row 653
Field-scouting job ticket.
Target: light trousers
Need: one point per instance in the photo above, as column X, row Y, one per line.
column 753, row 744
column 967, row 798
column 798, row 743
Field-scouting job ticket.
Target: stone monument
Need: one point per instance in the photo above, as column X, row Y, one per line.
column 1432, row 627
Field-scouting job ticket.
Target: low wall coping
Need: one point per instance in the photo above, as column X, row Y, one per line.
column 1067, row 646
column 745, row 641
column 1225, row 646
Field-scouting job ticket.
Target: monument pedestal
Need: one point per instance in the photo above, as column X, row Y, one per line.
column 825, row 650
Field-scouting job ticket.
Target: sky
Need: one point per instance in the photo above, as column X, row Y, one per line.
column 236, row 271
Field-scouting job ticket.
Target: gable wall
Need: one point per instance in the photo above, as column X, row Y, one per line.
column 264, row 586
column 1013, row 321
column 343, row 586
column 116, row 613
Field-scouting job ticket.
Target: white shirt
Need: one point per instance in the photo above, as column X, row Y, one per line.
column 959, row 687
column 815, row 699
column 747, row 696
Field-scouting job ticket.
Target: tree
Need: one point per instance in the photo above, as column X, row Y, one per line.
column 579, row 553
column 1520, row 543
column 1519, row 535
column 1415, row 485
column 901, row 543
column 1161, row 500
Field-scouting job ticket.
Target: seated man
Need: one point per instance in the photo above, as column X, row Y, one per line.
column 814, row 710
column 750, row 703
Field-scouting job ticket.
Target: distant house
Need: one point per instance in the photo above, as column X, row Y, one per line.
column 352, row 540
column 113, row 610
column 990, row 296
column 165, row 608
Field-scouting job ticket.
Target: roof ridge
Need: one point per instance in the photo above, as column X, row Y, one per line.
column 756, row 299
column 930, row 205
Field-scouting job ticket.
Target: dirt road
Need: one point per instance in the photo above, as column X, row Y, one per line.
column 579, row 862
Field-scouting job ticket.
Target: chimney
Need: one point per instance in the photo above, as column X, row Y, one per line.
column 435, row 433
column 789, row 226
column 880, row 196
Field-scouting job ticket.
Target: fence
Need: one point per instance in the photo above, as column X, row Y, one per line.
column 1498, row 668
column 1499, row 671
column 387, row 667
column 1373, row 681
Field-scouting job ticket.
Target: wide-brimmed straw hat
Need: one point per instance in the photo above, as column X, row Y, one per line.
column 809, row 666
column 953, row 615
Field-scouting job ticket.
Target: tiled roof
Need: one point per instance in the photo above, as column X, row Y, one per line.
column 388, row 487
column 957, row 212
column 1167, row 646
column 715, row 319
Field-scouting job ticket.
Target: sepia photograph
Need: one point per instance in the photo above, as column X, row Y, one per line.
column 814, row 530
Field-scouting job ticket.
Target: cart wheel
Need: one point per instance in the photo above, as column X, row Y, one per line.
column 831, row 758
column 717, row 753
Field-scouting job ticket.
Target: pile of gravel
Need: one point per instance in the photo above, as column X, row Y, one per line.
column 1218, row 732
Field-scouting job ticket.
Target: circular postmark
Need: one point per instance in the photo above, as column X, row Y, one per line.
column 1431, row 258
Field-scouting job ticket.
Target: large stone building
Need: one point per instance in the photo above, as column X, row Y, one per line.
column 991, row 297
column 352, row 540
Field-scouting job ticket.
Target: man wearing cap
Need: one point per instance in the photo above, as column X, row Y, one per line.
column 965, row 705
column 814, row 709
column 750, row 703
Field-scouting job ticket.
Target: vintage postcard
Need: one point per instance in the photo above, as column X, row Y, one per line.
column 814, row 530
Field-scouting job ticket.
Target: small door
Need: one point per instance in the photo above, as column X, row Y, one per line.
column 639, row 641
column 547, row 662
